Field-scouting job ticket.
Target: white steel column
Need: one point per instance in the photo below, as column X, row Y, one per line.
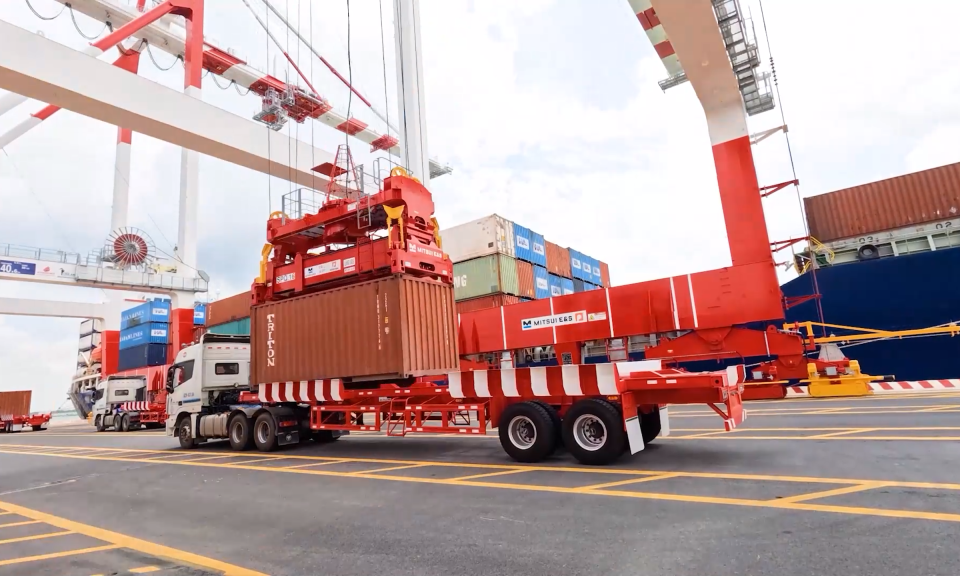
column 189, row 203
column 410, row 91
column 121, row 179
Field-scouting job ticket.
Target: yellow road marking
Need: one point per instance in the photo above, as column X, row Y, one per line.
column 57, row 555
column 841, row 433
column 171, row 455
column 35, row 537
column 3, row 513
column 12, row 524
column 222, row 455
column 706, row 434
column 144, row 569
column 320, row 463
column 391, row 468
column 938, row 409
column 630, row 481
column 489, row 474
column 252, row 461
column 834, row 492
column 122, row 540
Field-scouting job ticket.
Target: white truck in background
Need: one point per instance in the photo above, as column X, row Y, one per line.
column 110, row 394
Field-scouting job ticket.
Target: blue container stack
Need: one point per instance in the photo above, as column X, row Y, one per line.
column 585, row 269
column 199, row 314
column 556, row 285
column 567, row 285
column 541, row 282
column 144, row 335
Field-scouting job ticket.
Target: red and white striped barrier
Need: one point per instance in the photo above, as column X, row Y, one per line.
column 135, row 406
column 914, row 386
column 305, row 391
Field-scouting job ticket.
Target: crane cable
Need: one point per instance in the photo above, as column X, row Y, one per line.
column 383, row 59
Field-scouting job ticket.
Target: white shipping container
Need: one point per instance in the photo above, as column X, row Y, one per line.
column 488, row 235
column 90, row 341
column 90, row 326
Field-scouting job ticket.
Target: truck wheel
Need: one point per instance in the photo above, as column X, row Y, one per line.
column 187, row 441
column 124, row 425
column 241, row 437
column 98, row 422
column 265, row 432
column 650, row 426
column 37, row 428
column 593, row 432
column 555, row 418
column 526, row 432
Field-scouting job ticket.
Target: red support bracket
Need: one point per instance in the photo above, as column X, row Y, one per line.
column 768, row 190
column 779, row 245
column 791, row 301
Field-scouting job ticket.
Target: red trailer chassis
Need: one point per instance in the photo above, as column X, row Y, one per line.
column 11, row 423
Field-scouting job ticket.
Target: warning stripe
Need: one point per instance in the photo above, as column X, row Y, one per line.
column 303, row 392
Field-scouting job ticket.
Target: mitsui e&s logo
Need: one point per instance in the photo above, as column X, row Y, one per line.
column 564, row 319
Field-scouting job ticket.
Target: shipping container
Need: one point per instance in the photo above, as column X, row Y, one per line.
column 484, row 302
column 522, row 244
column 239, row 327
column 89, row 342
column 541, row 282
column 595, row 269
column 90, row 326
column 384, row 329
column 556, row 285
column 567, row 285
column 15, row 403
column 485, row 236
column 912, row 199
column 587, row 286
column 577, row 264
column 539, row 246
column 577, row 285
column 604, row 275
column 227, row 309
column 142, row 356
column 199, row 314
column 152, row 311
column 486, row 275
column 525, row 280
column 150, row 333
column 558, row 260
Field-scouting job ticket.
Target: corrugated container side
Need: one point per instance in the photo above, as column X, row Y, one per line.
column 541, row 282
column 89, row 342
column 239, row 327
column 227, row 309
column 152, row 311
column 484, row 302
column 577, row 285
column 385, row 329
column 199, row 314
column 595, row 268
column 484, row 236
column 558, row 260
column 605, row 274
column 141, row 356
column 539, row 247
column 567, row 285
column 485, row 275
column 523, row 243
column 586, row 267
column 576, row 263
column 150, row 333
column 912, row 199
column 556, row 285
column 15, row 403
column 525, row 280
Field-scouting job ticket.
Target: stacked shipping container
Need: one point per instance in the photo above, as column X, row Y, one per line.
column 144, row 335
column 499, row 262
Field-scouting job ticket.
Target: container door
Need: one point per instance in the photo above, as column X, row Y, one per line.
column 541, row 282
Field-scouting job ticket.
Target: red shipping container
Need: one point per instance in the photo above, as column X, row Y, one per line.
column 525, row 279
column 484, row 302
column 605, row 274
column 900, row 202
column 16, row 403
column 227, row 309
column 558, row 260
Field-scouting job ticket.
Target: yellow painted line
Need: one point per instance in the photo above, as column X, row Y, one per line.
column 12, row 524
column 320, row 463
column 834, row 492
column 391, row 468
column 57, row 555
column 489, row 474
column 35, row 537
column 227, row 455
column 144, row 569
column 3, row 513
column 251, row 461
column 631, row 481
column 841, row 433
column 938, row 409
column 125, row 541
column 171, row 455
column 705, row 434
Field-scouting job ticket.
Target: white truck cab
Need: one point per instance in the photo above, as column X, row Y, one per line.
column 110, row 394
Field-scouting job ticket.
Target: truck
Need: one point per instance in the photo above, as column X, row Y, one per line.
column 15, row 413
column 122, row 402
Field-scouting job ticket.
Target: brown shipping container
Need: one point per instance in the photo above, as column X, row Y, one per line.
column 605, row 274
column 15, row 403
column 525, row 279
column 382, row 329
column 484, row 302
column 558, row 260
column 227, row 309
column 908, row 200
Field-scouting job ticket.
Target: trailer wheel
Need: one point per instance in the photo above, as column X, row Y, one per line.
column 593, row 432
column 98, row 422
column 527, row 432
column 265, row 432
column 37, row 428
column 124, row 425
column 555, row 418
column 187, row 441
column 241, row 437
column 650, row 426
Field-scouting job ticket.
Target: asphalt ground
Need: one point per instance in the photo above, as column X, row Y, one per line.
column 856, row 487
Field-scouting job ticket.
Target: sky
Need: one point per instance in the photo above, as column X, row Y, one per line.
column 548, row 111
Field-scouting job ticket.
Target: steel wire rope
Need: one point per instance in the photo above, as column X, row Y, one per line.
column 41, row 16
column 346, row 133
column 383, row 61
column 313, row 125
column 157, row 64
column 73, row 17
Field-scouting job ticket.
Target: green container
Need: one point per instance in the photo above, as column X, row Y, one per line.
column 492, row 274
column 239, row 327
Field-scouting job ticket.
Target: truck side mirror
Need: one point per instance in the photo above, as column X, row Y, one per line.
column 169, row 382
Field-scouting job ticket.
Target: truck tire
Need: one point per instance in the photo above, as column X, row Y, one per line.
column 124, row 425
column 593, row 432
column 98, row 422
column 555, row 417
column 650, row 426
column 37, row 428
column 265, row 432
column 187, row 441
column 240, row 433
column 527, row 432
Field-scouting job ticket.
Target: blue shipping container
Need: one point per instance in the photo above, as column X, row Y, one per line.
column 556, row 286
column 153, row 311
column 567, row 285
column 150, row 333
column 577, row 285
column 541, row 282
column 199, row 314
column 588, row 287
column 576, row 264
column 586, row 267
column 142, row 356
column 595, row 266
column 539, row 247
column 522, row 244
